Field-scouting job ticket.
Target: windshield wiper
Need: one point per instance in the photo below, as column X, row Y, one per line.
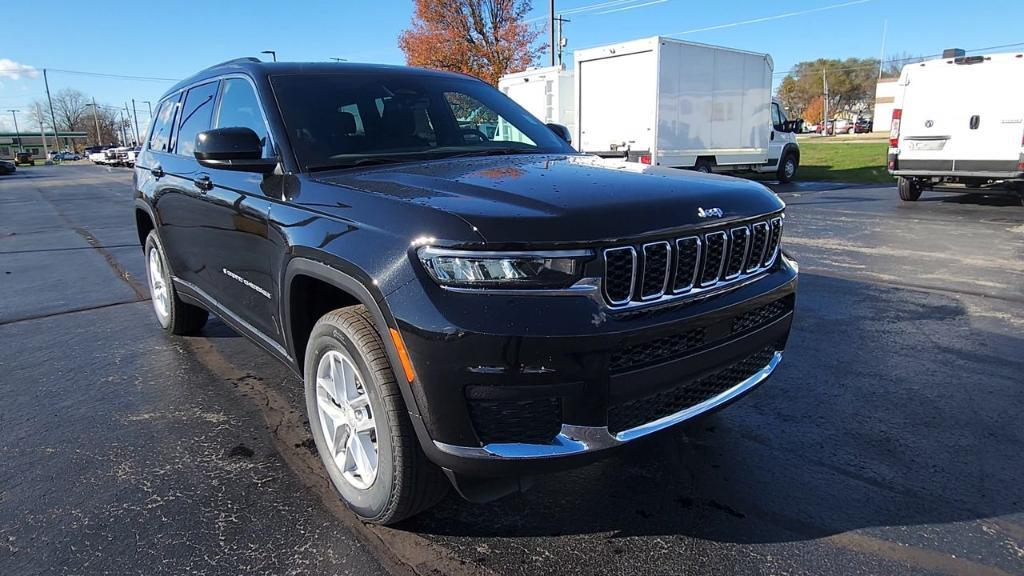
column 491, row 152
column 356, row 164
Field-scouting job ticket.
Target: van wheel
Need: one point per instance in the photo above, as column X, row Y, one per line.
column 703, row 166
column 175, row 316
column 787, row 168
column 910, row 190
column 360, row 424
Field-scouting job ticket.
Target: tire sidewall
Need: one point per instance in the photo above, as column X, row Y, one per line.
column 371, row 502
column 787, row 158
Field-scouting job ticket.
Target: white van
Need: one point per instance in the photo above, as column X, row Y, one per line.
column 958, row 125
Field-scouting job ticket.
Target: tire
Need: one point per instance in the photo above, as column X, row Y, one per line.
column 787, row 168
column 850, row 131
column 174, row 316
column 703, row 166
column 910, row 190
column 404, row 482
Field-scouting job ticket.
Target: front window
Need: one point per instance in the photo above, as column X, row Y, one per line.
column 342, row 120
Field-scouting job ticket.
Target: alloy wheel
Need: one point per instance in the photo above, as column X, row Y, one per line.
column 346, row 419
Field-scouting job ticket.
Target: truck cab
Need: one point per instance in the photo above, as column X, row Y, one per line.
column 783, row 151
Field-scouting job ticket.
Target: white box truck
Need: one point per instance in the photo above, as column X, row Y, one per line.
column 680, row 104
column 547, row 93
column 958, row 125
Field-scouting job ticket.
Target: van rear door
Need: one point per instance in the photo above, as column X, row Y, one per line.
column 963, row 117
column 616, row 100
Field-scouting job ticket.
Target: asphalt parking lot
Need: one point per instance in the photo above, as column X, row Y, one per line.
column 888, row 442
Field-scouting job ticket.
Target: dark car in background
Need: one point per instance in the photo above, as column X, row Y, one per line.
column 467, row 307
column 863, row 126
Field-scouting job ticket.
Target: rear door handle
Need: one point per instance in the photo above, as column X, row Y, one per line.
column 204, row 183
column 157, row 171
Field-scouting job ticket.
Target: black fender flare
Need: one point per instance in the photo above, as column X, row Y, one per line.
column 382, row 317
column 790, row 148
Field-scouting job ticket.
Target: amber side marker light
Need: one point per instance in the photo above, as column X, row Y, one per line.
column 403, row 355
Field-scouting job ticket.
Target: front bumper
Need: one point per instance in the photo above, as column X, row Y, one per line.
column 488, row 368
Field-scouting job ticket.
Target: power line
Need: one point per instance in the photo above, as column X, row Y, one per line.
column 102, row 75
column 908, row 59
column 769, row 18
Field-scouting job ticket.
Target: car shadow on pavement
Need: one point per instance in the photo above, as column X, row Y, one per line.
column 892, row 407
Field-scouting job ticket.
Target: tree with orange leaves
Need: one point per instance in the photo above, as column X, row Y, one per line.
column 484, row 38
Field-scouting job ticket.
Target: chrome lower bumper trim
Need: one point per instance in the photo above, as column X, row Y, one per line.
column 580, row 439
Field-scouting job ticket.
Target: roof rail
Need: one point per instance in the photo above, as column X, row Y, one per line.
column 235, row 61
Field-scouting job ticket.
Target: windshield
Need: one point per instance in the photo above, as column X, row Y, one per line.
column 340, row 120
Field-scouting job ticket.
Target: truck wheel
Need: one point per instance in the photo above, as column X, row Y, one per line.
column 175, row 316
column 787, row 168
column 910, row 190
column 360, row 423
column 703, row 166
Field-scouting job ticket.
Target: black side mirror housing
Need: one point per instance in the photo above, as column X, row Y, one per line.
column 561, row 131
column 238, row 149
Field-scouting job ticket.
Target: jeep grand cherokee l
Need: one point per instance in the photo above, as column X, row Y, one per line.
column 468, row 300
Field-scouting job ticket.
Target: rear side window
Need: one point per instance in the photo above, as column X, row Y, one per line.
column 239, row 108
column 160, row 138
column 195, row 116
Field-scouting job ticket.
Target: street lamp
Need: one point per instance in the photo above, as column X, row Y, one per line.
column 16, row 131
column 150, row 106
column 273, row 54
column 96, row 119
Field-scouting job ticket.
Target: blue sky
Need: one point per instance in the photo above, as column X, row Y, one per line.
column 174, row 39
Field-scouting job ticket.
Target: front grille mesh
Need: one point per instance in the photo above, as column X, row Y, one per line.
column 653, row 351
column 673, row 267
column 535, row 420
column 667, row 402
column 763, row 315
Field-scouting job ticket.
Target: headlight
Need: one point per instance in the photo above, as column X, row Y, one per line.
column 469, row 269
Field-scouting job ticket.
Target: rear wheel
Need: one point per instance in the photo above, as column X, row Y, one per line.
column 909, row 189
column 360, row 424
column 175, row 316
column 703, row 166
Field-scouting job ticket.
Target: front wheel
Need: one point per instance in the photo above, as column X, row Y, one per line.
column 360, row 424
column 910, row 190
column 787, row 168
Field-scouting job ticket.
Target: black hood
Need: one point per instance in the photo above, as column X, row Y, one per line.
column 560, row 199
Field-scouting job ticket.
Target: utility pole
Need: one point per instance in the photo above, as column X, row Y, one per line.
column 42, row 133
column 53, row 117
column 96, row 119
column 881, row 54
column 551, row 24
column 824, row 110
column 136, row 113
column 561, row 39
column 16, row 131
column 340, row 59
column 129, row 115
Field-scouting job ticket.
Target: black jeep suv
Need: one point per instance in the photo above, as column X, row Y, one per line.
column 469, row 301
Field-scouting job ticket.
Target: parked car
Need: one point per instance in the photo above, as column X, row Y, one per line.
column 98, row 157
column 24, row 158
column 7, row 167
column 462, row 310
column 863, row 126
column 64, row 156
column 842, row 126
column 956, row 125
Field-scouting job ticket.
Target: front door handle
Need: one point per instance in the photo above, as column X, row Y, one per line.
column 157, row 171
column 204, row 183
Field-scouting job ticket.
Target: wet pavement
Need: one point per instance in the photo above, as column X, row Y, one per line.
column 888, row 441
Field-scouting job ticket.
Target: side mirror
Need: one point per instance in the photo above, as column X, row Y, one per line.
column 561, row 131
column 238, row 149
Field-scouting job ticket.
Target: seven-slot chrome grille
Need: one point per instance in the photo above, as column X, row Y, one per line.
column 653, row 270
